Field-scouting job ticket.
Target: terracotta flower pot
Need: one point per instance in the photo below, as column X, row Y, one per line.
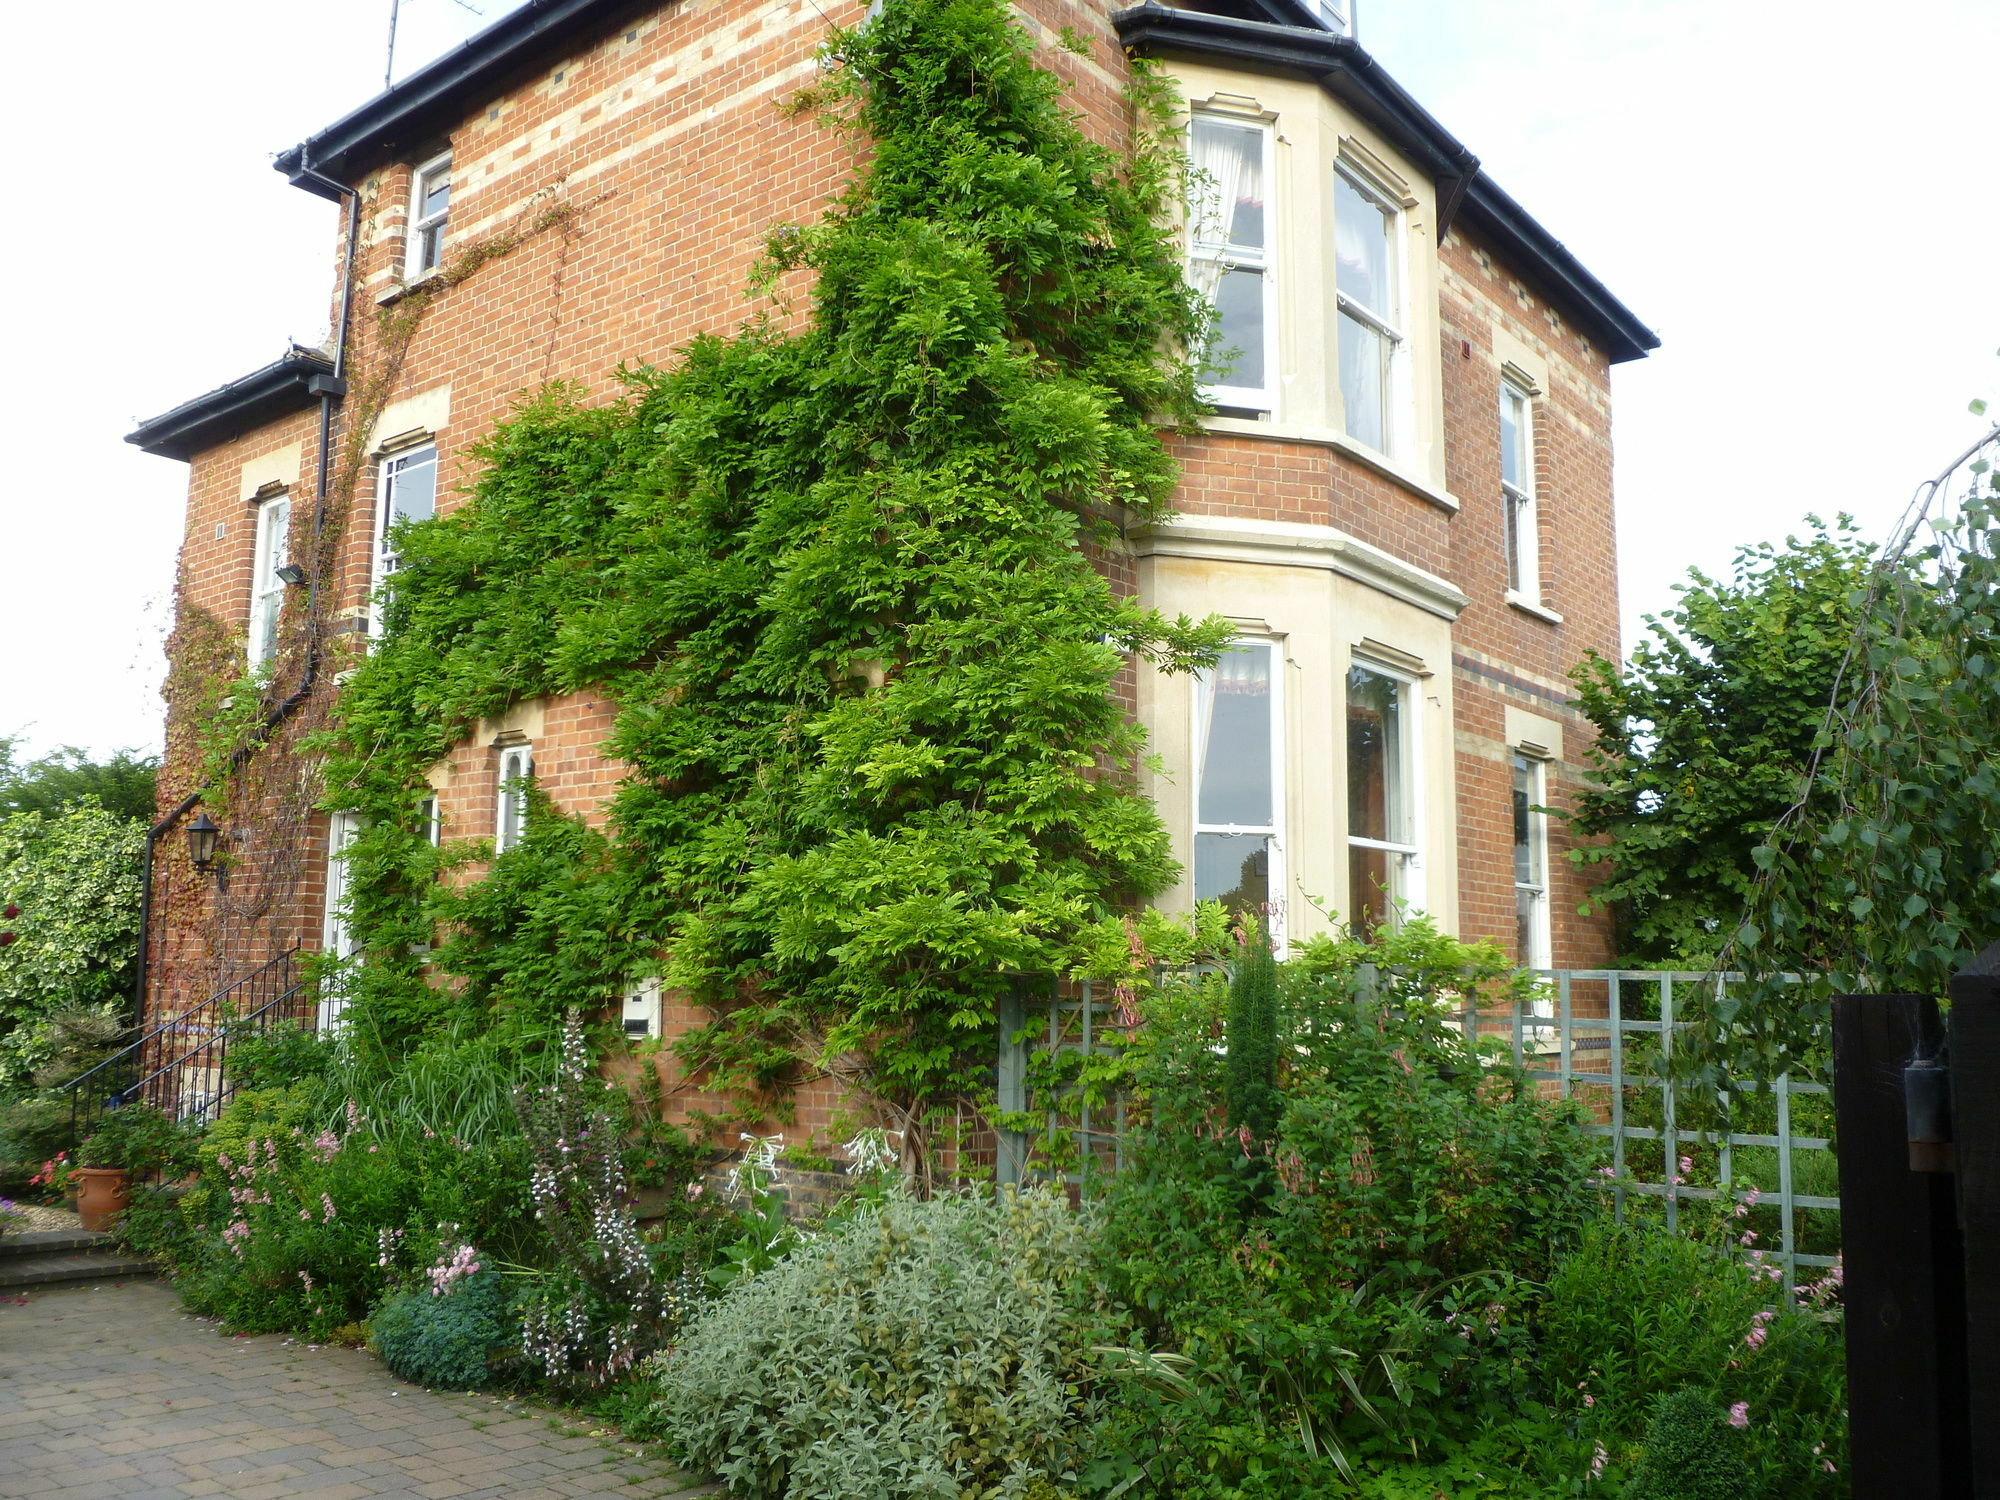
column 101, row 1195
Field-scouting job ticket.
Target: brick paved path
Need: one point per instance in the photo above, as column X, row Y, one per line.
column 113, row 1393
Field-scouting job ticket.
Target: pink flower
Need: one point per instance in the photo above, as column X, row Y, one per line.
column 1739, row 1414
column 1598, row 1461
column 1687, row 1164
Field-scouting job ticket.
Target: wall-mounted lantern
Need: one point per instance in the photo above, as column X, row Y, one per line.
column 202, row 835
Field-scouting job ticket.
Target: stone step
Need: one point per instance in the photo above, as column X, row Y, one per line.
column 51, row 1241
column 20, row 1272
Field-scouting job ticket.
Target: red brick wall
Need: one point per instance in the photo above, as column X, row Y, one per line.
column 667, row 142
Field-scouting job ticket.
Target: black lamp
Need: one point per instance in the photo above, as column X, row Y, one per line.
column 202, row 834
column 291, row 573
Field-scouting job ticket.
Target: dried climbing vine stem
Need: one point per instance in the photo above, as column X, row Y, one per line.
column 836, row 578
column 245, row 733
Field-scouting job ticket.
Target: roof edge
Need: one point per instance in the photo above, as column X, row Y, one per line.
column 288, row 384
column 441, row 91
column 1346, row 70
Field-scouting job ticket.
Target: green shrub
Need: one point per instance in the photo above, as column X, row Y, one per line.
column 924, row 1349
column 1359, row 1269
column 297, row 1228
column 1633, row 1312
column 286, row 1054
column 1251, row 1076
column 1692, row 1453
column 445, row 1341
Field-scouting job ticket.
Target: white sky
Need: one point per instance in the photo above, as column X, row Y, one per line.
column 1797, row 196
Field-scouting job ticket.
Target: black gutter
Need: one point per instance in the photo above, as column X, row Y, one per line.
column 440, row 94
column 282, row 387
column 1341, row 66
column 1498, row 218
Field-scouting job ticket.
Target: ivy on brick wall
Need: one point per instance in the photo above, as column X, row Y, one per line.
column 836, row 577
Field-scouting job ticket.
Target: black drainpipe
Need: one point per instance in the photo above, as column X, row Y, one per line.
column 329, row 389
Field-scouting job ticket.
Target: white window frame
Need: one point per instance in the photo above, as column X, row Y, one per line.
column 1521, row 530
column 1276, row 879
column 516, row 769
column 387, row 468
column 1406, row 868
column 1336, row 15
column 1224, row 256
column 430, row 820
column 267, row 589
column 425, row 253
column 1537, row 953
column 336, row 936
column 1396, row 420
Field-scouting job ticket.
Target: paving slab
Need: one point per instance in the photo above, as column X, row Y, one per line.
column 114, row 1391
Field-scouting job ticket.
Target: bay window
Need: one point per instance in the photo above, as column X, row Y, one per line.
column 267, row 588
column 1230, row 262
column 1369, row 336
column 1239, row 784
column 1381, row 820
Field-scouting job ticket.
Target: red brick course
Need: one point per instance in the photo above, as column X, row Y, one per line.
column 667, row 143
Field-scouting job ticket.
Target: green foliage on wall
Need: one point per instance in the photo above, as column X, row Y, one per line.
column 836, row 578
column 1705, row 738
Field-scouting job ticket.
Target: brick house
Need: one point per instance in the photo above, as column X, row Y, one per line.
column 1403, row 501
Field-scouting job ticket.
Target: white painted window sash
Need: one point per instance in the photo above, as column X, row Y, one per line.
column 1535, row 950
column 267, row 589
column 336, row 935
column 1407, row 885
column 1522, row 535
column 1210, row 256
column 1272, row 832
column 427, row 231
column 1389, row 322
column 517, row 768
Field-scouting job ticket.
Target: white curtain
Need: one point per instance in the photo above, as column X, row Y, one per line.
column 1231, row 164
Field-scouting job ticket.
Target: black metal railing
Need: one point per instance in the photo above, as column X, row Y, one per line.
column 179, row 1066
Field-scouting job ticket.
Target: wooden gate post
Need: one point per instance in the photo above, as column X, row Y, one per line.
column 1975, row 1109
column 1903, row 1266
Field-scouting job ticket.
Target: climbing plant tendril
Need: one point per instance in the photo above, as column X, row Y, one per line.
column 836, row 578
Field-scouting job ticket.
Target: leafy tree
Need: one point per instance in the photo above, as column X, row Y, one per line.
column 1886, row 877
column 1706, row 736
column 121, row 785
column 71, row 882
